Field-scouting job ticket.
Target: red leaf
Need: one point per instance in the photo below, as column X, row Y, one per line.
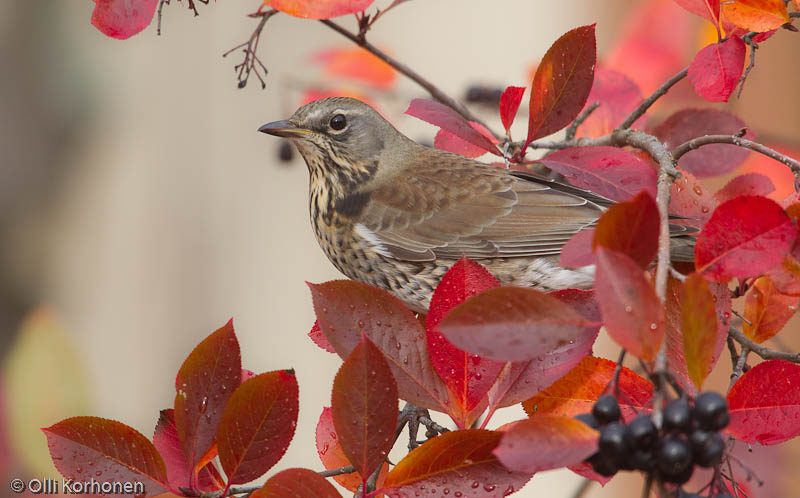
column 745, row 236
column 450, row 142
column 709, row 160
column 357, row 64
column 447, row 119
column 364, row 407
column 756, row 15
column 122, row 19
column 459, row 459
column 607, row 171
column 106, row 451
column 576, row 392
column 512, row 323
column 468, row 376
column 701, row 337
column 630, row 228
column 766, row 310
column 545, row 442
column 577, row 252
column 584, row 469
column 679, row 353
column 716, row 69
column 632, row 314
column 166, row 441
column 344, row 308
column 509, row 105
column 330, row 453
column 258, row 425
column 208, row 376
column 618, row 97
column 746, row 184
column 765, row 403
column 690, row 199
column 297, row 483
column 786, row 275
column 562, row 82
column 707, row 9
column 319, row 338
column 314, row 9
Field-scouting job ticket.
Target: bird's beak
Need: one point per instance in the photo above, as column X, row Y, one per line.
column 283, row 128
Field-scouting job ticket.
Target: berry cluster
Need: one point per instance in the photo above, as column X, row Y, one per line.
column 689, row 436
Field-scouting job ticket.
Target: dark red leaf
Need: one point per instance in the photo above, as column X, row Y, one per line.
column 258, row 425
column 577, row 252
column 746, row 184
column 509, row 105
column 122, row 19
column 344, row 308
column 166, row 441
column 445, row 140
column 562, row 82
column 545, row 442
column 607, row 171
column 205, row 381
column 632, row 314
column 512, row 323
column 458, row 464
column 630, row 228
column 106, row 451
column 576, row 392
column 447, row 119
column 297, row 483
column 707, row 9
column 765, row 403
column 745, row 236
column 618, row 97
column 716, row 69
column 766, row 310
column 319, row 338
column 364, row 407
column 690, row 199
column 709, row 160
column 314, row 9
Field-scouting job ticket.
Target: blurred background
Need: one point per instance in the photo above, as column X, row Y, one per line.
column 140, row 209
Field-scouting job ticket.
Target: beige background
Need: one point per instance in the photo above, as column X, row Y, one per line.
column 145, row 210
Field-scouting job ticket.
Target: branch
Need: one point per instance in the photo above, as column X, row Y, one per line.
column 248, row 65
column 347, row 469
column 762, row 351
column 698, row 142
column 432, row 89
column 649, row 101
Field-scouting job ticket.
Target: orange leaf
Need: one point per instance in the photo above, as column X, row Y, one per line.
column 319, row 9
column 358, row 64
column 576, row 392
column 699, row 326
column 767, row 310
column 756, row 15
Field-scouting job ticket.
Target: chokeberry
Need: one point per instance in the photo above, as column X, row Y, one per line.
column 642, row 460
column 285, row 151
column 603, row 465
column 678, row 477
column 614, row 441
column 711, row 411
column 606, row 409
column 674, row 456
column 707, row 447
column 678, row 416
column 588, row 419
column 643, row 432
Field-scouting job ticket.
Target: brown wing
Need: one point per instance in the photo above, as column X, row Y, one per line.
column 464, row 208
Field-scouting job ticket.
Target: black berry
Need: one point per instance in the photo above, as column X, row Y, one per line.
column 674, row 456
column 602, row 465
column 642, row 460
column 678, row 477
column 606, row 409
column 678, row 416
column 285, row 151
column 707, row 447
column 643, row 432
column 711, row 411
column 588, row 419
column 614, row 441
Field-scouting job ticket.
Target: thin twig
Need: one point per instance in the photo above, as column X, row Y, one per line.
column 432, row 89
column 748, row 39
column 573, row 127
column 649, row 101
column 762, row 351
column 738, row 368
column 582, row 489
column 698, row 142
column 248, row 65
column 648, row 485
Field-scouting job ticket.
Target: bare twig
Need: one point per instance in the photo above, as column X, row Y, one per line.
column 698, row 142
column 582, row 489
column 573, row 127
column 248, row 65
column 762, row 351
column 738, row 368
column 348, row 469
column 748, row 39
column 432, row 89
column 649, row 101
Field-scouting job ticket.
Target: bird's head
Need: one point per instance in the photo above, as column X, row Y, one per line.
column 338, row 136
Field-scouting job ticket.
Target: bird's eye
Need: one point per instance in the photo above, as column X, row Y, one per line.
column 338, row 122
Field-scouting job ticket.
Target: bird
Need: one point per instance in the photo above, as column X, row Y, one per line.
column 396, row 214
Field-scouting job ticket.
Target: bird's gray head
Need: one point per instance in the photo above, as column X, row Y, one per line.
column 338, row 136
